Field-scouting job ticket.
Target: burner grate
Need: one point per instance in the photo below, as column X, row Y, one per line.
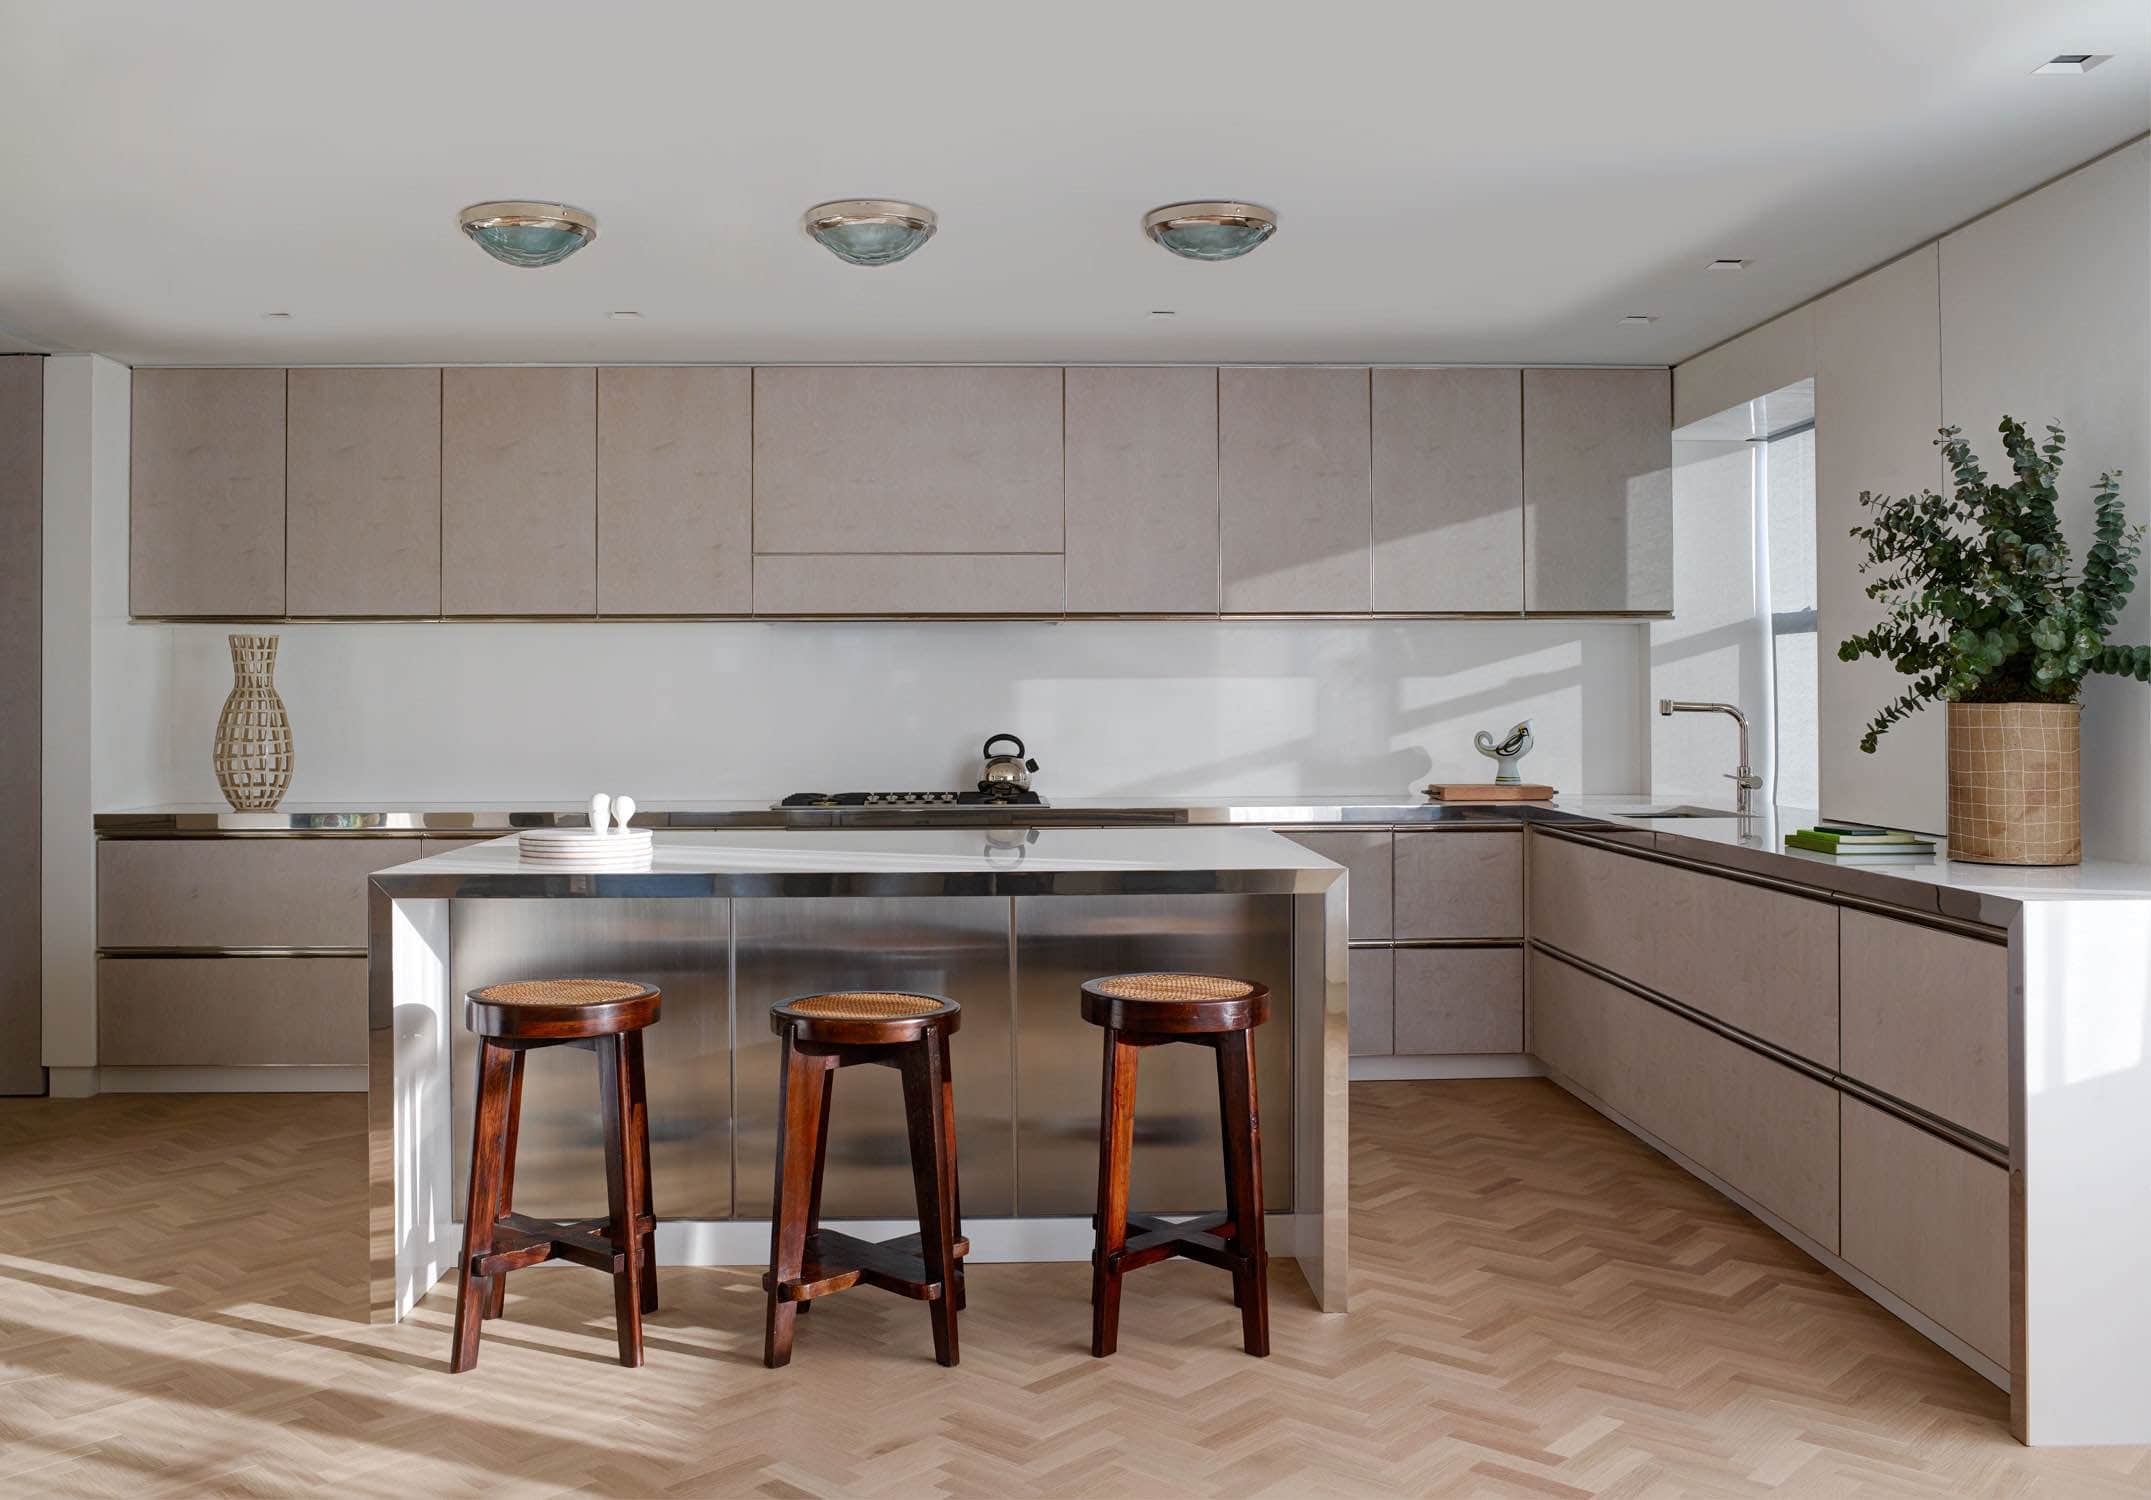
column 913, row 801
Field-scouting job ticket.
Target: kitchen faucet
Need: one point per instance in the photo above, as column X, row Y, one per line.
column 1745, row 778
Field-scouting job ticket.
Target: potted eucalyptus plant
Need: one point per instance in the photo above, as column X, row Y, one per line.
column 1984, row 613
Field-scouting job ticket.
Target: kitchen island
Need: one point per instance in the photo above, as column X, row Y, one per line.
column 1007, row 922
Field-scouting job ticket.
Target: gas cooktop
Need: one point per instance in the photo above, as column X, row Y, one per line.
column 910, row 801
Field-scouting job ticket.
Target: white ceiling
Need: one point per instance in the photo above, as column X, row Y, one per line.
column 1456, row 182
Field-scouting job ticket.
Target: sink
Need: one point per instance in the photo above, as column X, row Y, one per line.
column 1678, row 810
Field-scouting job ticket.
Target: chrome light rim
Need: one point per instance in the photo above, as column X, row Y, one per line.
column 523, row 213
column 840, row 212
column 1209, row 211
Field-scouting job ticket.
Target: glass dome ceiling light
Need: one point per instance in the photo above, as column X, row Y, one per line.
column 870, row 231
column 1210, row 230
column 520, row 233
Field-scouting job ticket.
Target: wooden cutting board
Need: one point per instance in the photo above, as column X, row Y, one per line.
column 1487, row 791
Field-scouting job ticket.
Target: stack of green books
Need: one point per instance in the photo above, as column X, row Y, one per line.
column 1849, row 840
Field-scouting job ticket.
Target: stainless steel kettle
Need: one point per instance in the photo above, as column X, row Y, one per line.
column 1006, row 771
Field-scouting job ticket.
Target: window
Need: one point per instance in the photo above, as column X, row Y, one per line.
column 1785, row 498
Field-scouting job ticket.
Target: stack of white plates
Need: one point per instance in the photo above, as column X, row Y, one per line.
column 585, row 849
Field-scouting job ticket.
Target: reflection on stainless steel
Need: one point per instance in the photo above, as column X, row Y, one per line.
column 1179, row 1157
column 682, row 947
column 957, row 947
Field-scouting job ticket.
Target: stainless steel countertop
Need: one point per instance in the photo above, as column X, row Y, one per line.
column 1987, row 894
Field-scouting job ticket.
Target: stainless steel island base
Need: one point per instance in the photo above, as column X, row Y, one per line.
column 727, row 924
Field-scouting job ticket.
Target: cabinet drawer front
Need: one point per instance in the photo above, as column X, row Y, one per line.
column 1459, row 1000
column 1456, row 883
column 907, row 460
column 951, row 584
column 230, row 1012
column 1927, row 1019
column 1372, row 974
column 239, row 893
column 1767, row 1130
column 1931, row 1223
column 1762, row 960
column 1365, row 857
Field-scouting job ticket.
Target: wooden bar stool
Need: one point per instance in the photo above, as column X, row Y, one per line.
column 605, row 1016
column 1150, row 1010
column 821, row 1034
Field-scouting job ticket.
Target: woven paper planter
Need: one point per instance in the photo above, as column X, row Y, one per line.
column 253, row 747
column 2015, row 785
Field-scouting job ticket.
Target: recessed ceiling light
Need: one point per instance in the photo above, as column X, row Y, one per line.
column 625, row 315
column 276, row 317
column 1210, row 230
column 521, row 233
column 1727, row 263
column 1638, row 320
column 870, row 231
column 2069, row 64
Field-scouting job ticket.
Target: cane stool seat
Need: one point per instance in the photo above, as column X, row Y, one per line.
column 560, row 1009
column 1175, row 1004
column 864, row 1017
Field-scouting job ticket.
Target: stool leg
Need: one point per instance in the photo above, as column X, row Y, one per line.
column 1116, row 1140
column 948, row 1155
column 821, row 1167
column 925, row 1104
column 1243, row 1177
column 640, row 1093
column 496, row 1301
column 488, row 1137
column 800, row 1091
column 623, row 1194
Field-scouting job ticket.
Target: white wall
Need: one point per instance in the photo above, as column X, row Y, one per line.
column 2037, row 309
column 434, row 712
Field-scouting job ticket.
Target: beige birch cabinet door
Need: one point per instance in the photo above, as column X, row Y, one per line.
column 1448, row 491
column 518, row 492
column 364, row 531
column 1142, row 493
column 1296, row 525
column 1598, row 490
column 206, row 493
column 675, row 451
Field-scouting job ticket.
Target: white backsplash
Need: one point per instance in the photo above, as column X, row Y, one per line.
column 444, row 712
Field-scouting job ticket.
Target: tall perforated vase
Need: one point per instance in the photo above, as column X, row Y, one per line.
column 253, row 750
column 2015, row 783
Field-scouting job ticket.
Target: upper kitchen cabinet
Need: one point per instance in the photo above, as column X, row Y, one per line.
column 674, row 491
column 1293, row 455
column 518, row 491
column 907, row 461
column 363, row 535
column 206, row 513
column 1598, row 490
column 1448, row 491
column 1142, row 491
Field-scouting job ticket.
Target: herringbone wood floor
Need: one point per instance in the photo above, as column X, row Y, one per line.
column 1544, row 1308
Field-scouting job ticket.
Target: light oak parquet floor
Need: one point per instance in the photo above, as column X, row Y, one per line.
column 1544, row 1308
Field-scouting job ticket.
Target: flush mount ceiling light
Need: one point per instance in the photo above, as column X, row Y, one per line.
column 1219, row 230
column 2069, row 64
column 869, row 231
column 520, row 233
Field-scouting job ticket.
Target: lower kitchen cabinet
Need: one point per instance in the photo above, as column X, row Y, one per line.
column 1459, row 1000
column 230, row 1012
column 1930, row 1222
column 1371, row 974
column 1460, row 882
column 1761, row 1127
column 1364, row 853
column 1926, row 1019
column 239, row 893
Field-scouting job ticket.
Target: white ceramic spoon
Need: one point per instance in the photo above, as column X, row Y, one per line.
column 623, row 808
